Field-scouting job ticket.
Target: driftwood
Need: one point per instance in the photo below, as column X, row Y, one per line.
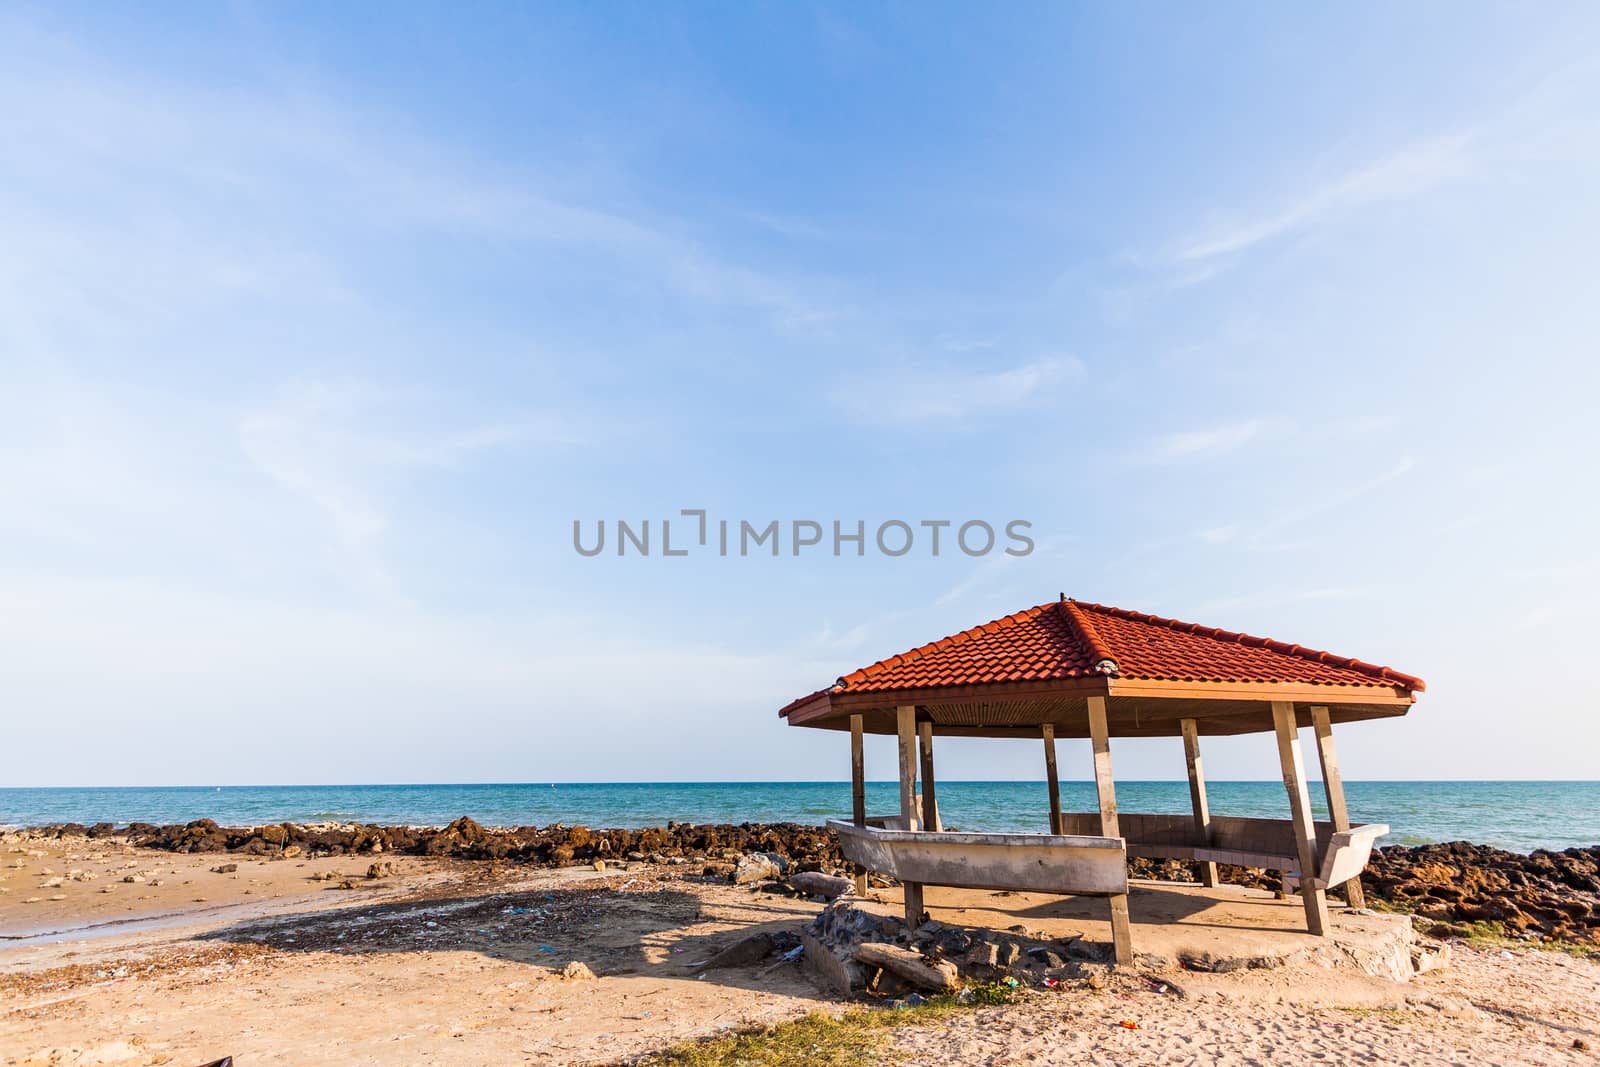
column 940, row 976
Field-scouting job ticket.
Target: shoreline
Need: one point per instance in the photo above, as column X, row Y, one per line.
column 465, row 945
column 298, row 954
column 1458, row 887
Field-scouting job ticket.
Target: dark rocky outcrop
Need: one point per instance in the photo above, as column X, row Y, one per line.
column 792, row 847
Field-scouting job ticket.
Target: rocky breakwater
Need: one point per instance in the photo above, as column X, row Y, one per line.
column 1540, row 896
column 718, row 847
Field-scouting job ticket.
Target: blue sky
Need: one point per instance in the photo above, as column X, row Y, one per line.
column 319, row 327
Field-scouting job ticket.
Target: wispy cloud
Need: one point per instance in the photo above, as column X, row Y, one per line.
column 913, row 394
column 1187, row 445
column 337, row 446
column 1414, row 169
column 283, row 167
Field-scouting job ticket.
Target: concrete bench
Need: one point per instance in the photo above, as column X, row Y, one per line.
column 1079, row 865
column 1241, row 842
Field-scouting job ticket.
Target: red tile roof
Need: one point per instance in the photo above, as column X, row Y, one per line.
column 1067, row 639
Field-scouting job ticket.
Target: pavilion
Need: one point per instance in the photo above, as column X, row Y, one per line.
column 1069, row 669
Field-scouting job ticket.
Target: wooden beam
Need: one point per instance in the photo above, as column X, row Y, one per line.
column 1197, row 797
column 906, row 723
column 1305, row 831
column 858, row 790
column 1333, row 785
column 1048, row 731
column 930, row 802
column 1106, row 788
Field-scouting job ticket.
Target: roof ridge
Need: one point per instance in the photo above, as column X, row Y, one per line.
column 1082, row 628
column 863, row 673
column 1387, row 674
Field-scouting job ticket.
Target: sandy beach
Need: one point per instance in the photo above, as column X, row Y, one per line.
column 115, row 954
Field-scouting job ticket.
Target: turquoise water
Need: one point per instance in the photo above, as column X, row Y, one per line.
column 1520, row 816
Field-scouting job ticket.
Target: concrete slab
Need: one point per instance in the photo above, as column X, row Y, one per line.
column 1228, row 928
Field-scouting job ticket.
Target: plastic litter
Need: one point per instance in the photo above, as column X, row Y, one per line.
column 547, row 948
column 1128, row 1024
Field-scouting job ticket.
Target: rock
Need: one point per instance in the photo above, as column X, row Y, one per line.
column 984, row 954
column 291, row 851
column 226, row 868
column 758, row 867
column 50, row 883
column 578, row 971
column 599, row 865
column 816, row 884
column 1089, row 951
column 381, row 870
column 1049, row 958
column 741, row 953
column 921, row 971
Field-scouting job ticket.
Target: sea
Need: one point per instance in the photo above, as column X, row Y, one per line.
column 1519, row 816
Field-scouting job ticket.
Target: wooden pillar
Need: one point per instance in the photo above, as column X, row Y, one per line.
column 906, row 723
column 1333, row 784
column 858, row 790
column 1305, row 831
column 930, row 802
column 1197, row 796
column 1048, row 730
column 1106, row 788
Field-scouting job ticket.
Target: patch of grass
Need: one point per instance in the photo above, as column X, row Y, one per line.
column 858, row 1037
column 1485, row 933
column 850, row 1039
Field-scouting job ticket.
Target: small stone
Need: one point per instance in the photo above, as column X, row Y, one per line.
column 599, row 865
column 226, row 868
column 759, row 867
column 577, row 970
column 133, row 879
column 984, row 954
column 1580, row 1045
column 1040, row 954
